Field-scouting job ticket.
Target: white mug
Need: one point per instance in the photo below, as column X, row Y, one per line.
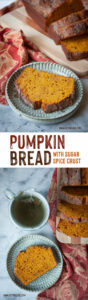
column 23, row 196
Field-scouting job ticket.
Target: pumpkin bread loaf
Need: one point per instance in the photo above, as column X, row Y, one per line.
column 73, row 185
column 76, row 48
column 42, row 89
column 73, row 177
column 33, row 263
column 72, row 18
column 73, row 229
column 72, row 210
column 59, row 33
column 44, row 12
column 70, row 177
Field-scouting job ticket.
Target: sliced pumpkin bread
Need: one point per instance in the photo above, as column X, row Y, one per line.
column 49, row 91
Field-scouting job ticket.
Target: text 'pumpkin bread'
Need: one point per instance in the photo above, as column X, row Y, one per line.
column 42, row 89
column 34, row 262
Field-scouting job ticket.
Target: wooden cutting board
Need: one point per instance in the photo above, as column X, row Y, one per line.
column 59, row 235
column 18, row 19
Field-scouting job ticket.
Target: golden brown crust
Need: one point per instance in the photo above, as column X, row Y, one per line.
column 44, row 12
column 58, row 33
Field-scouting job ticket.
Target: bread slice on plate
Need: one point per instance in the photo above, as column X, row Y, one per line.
column 34, row 262
column 48, row 91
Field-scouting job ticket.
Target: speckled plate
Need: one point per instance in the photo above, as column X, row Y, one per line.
column 45, row 281
column 38, row 115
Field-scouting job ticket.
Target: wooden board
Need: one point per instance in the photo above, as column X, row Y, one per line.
column 59, row 235
column 18, row 19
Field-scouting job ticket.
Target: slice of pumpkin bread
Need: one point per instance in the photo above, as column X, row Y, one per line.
column 73, row 211
column 74, row 195
column 73, row 229
column 76, row 48
column 33, row 263
column 50, row 91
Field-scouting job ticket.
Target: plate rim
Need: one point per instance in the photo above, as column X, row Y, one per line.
column 48, row 120
column 30, row 236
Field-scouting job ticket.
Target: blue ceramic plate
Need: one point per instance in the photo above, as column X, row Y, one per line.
column 45, row 281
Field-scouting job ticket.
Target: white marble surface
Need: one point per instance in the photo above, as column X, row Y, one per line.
column 4, row 3
column 17, row 180
column 11, row 121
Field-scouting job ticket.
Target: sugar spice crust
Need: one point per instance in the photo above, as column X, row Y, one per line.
column 44, row 12
column 72, row 25
column 59, row 33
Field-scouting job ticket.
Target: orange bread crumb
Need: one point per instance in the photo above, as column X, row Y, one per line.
column 77, row 44
column 74, row 211
column 33, row 263
column 73, row 229
column 42, row 89
column 76, row 48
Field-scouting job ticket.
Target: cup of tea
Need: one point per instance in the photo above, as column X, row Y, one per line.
column 28, row 209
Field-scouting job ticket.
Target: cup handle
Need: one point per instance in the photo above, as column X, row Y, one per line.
column 9, row 194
